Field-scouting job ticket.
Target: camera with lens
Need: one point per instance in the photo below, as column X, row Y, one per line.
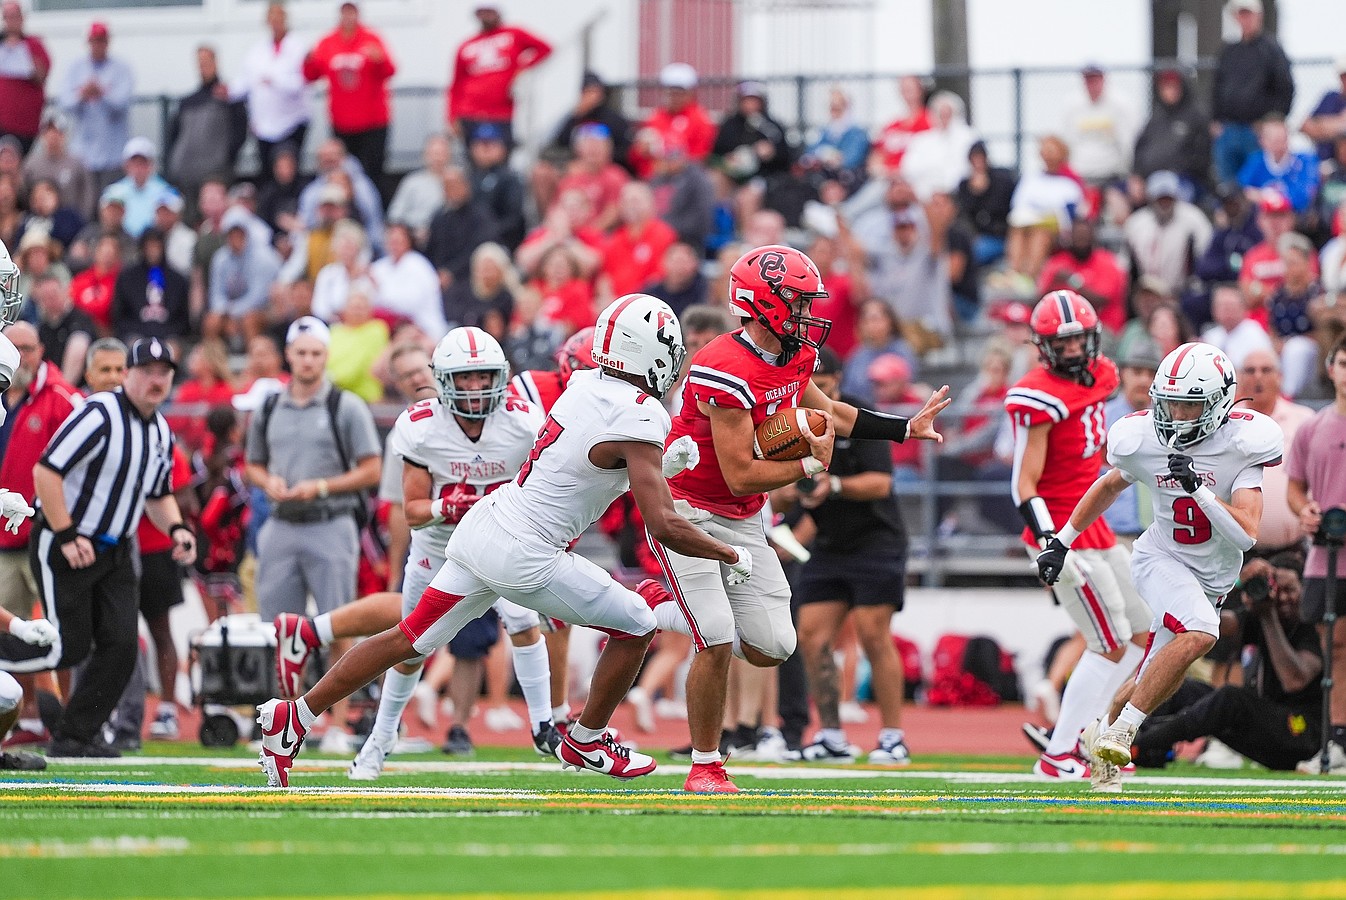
column 1256, row 590
column 1332, row 529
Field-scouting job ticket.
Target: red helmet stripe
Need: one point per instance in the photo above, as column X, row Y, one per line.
column 1177, row 363
column 607, row 338
column 471, row 343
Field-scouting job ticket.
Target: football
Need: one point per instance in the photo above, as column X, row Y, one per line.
column 781, row 435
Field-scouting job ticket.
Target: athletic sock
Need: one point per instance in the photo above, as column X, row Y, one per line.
column 560, row 713
column 306, row 716
column 834, row 738
column 1084, row 699
column 33, row 725
column 894, row 735
column 322, row 625
column 398, row 689
column 533, row 670
column 1125, row 671
column 670, row 618
column 705, row 757
column 585, row 735
column 1130, row 718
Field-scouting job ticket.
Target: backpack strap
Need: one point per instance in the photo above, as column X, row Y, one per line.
column 268, row 407
column 333, row 409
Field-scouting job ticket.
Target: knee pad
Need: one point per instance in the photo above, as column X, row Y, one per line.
column 11, row 695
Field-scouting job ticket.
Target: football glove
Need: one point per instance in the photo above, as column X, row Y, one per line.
column 452, row 505
column 740, row 570
column 39, row 632
column 1180, row 470
column 13, row 509
column 1052, row 560
column 681, row 455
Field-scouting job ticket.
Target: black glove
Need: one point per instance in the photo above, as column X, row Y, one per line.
column 1180, row 470
column 1052, row 560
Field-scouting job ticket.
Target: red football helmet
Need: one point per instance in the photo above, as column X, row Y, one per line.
column 775, row 286
column 1060, row 315
column 577, row 353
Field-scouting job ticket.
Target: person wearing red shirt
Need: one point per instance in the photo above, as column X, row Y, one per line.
column 680, row 122
column 890, row 379
column 484, row 71
column 891, row 144
column 846, row 289
column 634, row 256
column 209, row 384
column 24, row 65
column 92, row 290
column 1263, row 272
column 560, row 228
column 595, row 174
column 1090, row 271
column 564, row 297
column 357, row 67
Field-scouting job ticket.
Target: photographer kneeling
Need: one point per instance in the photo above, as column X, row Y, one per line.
column 1273, row 717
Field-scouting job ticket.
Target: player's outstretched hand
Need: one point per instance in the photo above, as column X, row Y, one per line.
column 741, row 569
column 922, row 425
column 13, row 509
column 1052, row 560
column 1180, row 470
column 38, row 633
column 681, row 455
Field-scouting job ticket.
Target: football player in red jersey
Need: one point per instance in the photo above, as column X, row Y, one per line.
column 735, row 382
column 1059, row 435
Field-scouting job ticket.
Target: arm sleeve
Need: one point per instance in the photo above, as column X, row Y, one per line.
column 79, row 436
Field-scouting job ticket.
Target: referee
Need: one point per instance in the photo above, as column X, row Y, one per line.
column 110, row 460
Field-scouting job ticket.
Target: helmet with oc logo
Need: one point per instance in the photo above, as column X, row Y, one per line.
column 1065, row 314
column 774, row 286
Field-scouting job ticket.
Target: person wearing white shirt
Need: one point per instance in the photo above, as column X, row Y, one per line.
column 1168, row 235
column 1101, row 131
column 408, row 284
column 272, row 81
column 936, row 159
column 1233, row 332
column 350, row 252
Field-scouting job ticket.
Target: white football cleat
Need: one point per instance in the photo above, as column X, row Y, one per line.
column 368, row 763
column 502, row 718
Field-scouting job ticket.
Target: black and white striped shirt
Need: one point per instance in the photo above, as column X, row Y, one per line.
column 110, row 460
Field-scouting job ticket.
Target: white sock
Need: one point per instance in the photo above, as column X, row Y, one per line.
column 705, row 757
column 560, row 713
column 33, row 725
column 533, row 669
column 670, row 618
column 1125, row 671
column 1084, row 699
column 1131, row 718
column 891, row 734
column 585, row 735
column 323, row 626
column 306, row 716
column 398, row 689
column 833, row 737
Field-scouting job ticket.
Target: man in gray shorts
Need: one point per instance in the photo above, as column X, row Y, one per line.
column 313, row 448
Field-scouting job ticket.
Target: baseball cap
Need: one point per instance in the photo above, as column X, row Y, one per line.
column 1091, row 68
column 1162, row 184
column 1169, row 74
column 170, row 200
column 252, row 399
column 151, row 350
column 829, row 363
column 888, row 367
column 308, row 325
column 1273, row 201
column 488, row 131
column 54, row 118
column 1249, row 5
column 752, row 89
column 98, row 30
column 1153, row 284
column 11, row 142
column 592, row 79
column 1141, row 355
column 244, row 190
column 234, row 217
column 678, row 75
column 1012, row 313
column 139, row 146
column 113, row 193
column 592, row 130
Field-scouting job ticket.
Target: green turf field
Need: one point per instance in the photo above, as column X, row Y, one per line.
column 199, row 824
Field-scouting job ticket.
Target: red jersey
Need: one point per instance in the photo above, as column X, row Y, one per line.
column 484, row 72
column 1100, row 274
column 92, row 292
column 32, row 423
column 570, row 304
column 152, row 540
column 1077, row 436
column 690, row 128
column 728, row 372
column 357, row 97
column 893, row 140
column 538, row 388
column 633, row 260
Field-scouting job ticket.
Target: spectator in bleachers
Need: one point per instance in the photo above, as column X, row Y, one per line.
column 179, row 239
column 1327, row 123
column 942, row 215
column 272, row 82
column 207, row 131
column 912, row 274
column 211, row 203
column 879, row 333
column 841, row 262
column 1332, row 187
column 684, row 197
column 241, row 274
column 407, row 283
column 892, row 391
column 1235, row 233
column 936, row 160
column 983, row 199
column 839, row 152
column 495, row 185
column 263, row 361
column 357, row 67
column 1012, row 320
column 1259, row 380
column 1043, row 207
column 1232, row 330
column 896, row 135
column 358, row 340
column 150, row 299
column 1288, row 312
column 1092, row 271
column 585, row 244
column 420, row 194
column 209, row 378
column 681, row 119
column 11, row 159
column 312, row 247
column 563, row 298
column 350, row 263
column 594, row 173
column 485, row 299
column 46, row 212
column 39, row 254
column 335, row 165
column 1263, row 270
column 91, row 290
column 141, row 187
column 1167, row 328
column 1100, row 130
column 750, row 143
column 51, row 159
column 1149, row 295
column 24, row 66
column 1332, row 258
column 460, row 226
column 278, row 199
column 11, row 211
column 65, row 332
column 1177, row 136
column 243, row 197
column 1252, row 80
column 484, row 70
column 1167, row 235
column 96, row 95
column 1274, row 165
column 593, row 108
column 634, row 255
column 682, row 284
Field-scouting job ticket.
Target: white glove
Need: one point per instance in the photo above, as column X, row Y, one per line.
column 13, row 509
column 39, row 632
column 681, row 455
column 740, row 570
column 1075, row 573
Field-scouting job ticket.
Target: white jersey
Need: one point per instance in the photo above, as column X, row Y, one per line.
column 1230, row 459
column 429, row 436
column 559, row 492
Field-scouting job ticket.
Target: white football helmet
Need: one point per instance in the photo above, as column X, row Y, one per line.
column 1193, row 373
column 11, row 301
column 470, row 349
column 639, row 335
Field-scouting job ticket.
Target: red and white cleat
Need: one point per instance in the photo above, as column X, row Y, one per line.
column 653, row 592
column 296, row 639
column 282, row 736
column 709, row 778
column 1066, row 767
column 604, row 755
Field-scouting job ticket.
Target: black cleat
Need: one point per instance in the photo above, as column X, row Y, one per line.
column 71, row 748
column 18, row 761
column 458, row 742
column 547, row 739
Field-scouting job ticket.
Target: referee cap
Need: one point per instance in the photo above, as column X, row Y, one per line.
column 151, row 350
column 308, row 325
